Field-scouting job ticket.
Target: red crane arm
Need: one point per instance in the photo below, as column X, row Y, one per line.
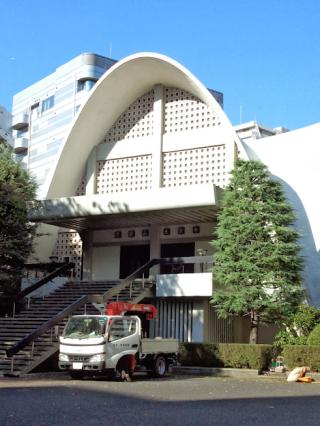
column 120, row 308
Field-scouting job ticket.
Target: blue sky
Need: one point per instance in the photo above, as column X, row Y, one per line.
column 264, row 55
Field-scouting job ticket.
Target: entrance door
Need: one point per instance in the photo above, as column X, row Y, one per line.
column 132, row 257
column 177, row 250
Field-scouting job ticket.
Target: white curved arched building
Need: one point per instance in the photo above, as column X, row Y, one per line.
column 140, row 175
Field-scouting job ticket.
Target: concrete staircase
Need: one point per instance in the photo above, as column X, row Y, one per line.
column 44, row 310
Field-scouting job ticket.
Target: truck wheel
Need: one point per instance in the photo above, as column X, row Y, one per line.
column 160, row 366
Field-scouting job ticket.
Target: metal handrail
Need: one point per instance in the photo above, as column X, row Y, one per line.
column 153, row 262
column 44, row 280
column 47, row 325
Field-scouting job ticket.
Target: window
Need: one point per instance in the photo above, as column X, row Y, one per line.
column 85, row 85
column 122, row 328
column 117, row 234
column 47, row 104
column 145, row 233
column 181, row 230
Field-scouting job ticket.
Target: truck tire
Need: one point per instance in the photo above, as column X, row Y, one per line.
column 160, row 366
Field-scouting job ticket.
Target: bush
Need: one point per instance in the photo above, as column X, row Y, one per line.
column 298, row 356
column 238, row 355
column 284, row 337
column 298, row 327
column 314, row 336
column 199, row 355
column 232, row 355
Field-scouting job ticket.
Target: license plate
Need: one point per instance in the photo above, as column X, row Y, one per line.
column 77, row 365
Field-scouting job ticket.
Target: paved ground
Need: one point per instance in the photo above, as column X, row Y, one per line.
column 54, row 399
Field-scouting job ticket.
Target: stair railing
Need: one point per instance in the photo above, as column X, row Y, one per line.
column 28, row 290
column 48, row 326
column 130, row 279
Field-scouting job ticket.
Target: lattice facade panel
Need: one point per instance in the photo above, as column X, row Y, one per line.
column 135, row 122
column 81, row 190
column 195, row 166
column 124, row 174
column 184, row 111
column 69, row 247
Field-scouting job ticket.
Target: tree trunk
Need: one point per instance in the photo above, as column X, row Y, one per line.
column 254, row 323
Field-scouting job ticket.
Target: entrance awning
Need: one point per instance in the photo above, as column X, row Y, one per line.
column 189, row 204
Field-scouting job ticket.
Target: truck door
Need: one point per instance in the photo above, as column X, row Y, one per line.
column 123, row 338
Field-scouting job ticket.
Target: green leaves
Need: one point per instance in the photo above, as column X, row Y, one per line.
column 257, row 263
column 16, row 232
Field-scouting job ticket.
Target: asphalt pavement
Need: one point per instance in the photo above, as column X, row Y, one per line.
column 55, row 399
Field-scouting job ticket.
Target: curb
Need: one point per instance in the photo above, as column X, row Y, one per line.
column 234, row 372
column 217, row 372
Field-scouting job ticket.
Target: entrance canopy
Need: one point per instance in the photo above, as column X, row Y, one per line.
column 198, row 203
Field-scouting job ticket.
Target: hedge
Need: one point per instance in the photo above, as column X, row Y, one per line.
column 234, row 355
column 298, row 356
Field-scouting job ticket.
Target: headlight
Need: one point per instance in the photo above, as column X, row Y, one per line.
column 97, row 358
column 63, row 357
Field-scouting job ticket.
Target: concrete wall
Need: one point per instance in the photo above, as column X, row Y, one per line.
column 105, row 263
column 177, row 285
column 293, row 158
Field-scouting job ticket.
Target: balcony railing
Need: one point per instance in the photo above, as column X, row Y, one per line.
column 20, row 145
column 20, row 121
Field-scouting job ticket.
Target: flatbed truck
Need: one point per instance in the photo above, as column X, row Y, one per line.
column 113, row 343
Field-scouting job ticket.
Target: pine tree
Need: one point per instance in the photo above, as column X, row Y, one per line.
column 257, row 269
column 16, row 232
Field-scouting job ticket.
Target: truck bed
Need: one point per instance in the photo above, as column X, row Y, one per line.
column 157, row 345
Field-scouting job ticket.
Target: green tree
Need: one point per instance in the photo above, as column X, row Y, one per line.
column 257, row 262
column 16, row 232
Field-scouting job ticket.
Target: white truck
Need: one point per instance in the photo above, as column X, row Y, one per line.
column 113, row 343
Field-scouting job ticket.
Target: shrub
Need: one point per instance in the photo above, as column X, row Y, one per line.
column 232, row 355
column 298, row 356
column 199, row 354
column 285, row 337
column 314, row 336
column 298, row 327
column 238, row 355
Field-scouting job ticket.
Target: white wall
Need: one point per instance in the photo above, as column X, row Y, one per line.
column 293, row 158
column 175, row 285
column 105, row 263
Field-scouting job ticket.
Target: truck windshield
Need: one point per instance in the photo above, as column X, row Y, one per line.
column 85, row 327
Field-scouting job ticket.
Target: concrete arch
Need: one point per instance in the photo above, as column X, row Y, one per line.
column 114, row 92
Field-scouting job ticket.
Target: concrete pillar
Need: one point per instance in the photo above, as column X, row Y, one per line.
column 87, row 253
column 158, row 111
column 155, row 249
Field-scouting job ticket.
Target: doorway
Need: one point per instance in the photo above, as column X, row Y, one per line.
column 132, row 257
column 177, row 250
